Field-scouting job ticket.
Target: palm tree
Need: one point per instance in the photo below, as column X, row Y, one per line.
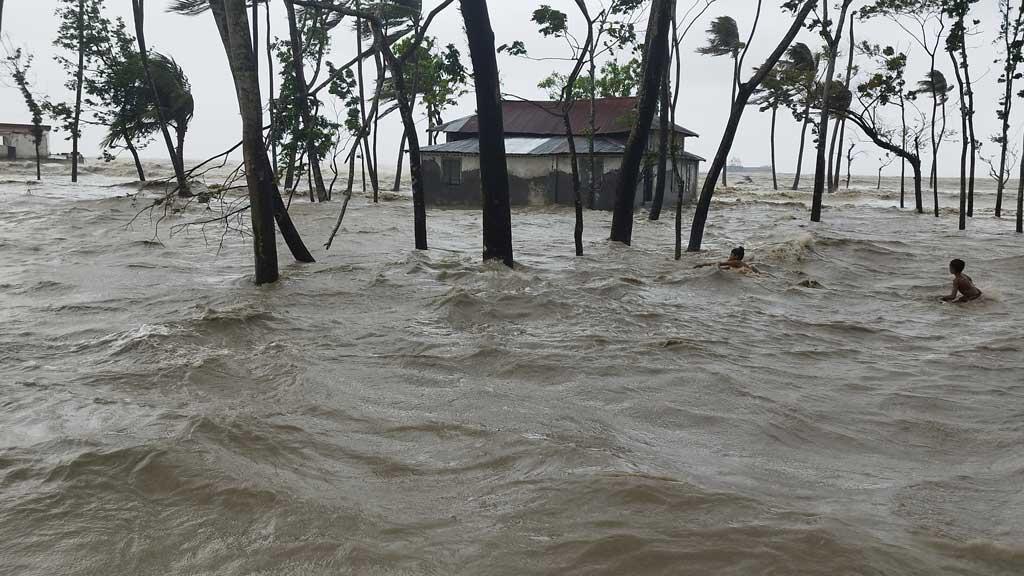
column 934, row 83
column 724, row 40
column 174, row 95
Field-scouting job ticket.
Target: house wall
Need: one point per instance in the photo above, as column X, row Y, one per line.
column 536, row 181
column 25, row 148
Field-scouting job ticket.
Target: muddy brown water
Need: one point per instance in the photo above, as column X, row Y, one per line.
column 387, row 411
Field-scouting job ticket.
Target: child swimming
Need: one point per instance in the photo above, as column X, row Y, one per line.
column 735, row 261
column 962, row 284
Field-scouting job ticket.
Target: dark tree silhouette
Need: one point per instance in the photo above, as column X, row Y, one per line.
column 654, row 66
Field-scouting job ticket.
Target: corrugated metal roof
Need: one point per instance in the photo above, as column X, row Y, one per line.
column 553, row 146
column 544, row 117
column 21, row 128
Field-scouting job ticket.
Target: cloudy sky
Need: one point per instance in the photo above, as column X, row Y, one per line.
column 193, row 42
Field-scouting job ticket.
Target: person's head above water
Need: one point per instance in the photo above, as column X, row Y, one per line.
column 738, row 253
column 956, row 266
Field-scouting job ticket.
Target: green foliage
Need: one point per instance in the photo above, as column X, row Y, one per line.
column 887, row 83
column 723, row 38
column 289, row 133
column 934, row 84
column 613, row 81
column 19, row 69
column 71, row 41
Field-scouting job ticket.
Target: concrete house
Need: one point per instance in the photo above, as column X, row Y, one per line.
column 16, row 142
column 539, row 165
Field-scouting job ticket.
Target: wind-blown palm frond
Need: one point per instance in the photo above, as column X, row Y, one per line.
column 801, row 59
column 188, row 7
column 934, row 83
column 723, row 38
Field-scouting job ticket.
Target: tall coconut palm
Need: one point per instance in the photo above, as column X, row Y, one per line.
column 934, row 83
column 724, row 40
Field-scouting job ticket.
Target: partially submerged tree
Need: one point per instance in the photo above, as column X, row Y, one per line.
column 265, row 203
column 832, row 37
column 800, row 74
column 936, row 86
column 743, row 94
column 956, row 46
column 138, row 13
column 497, row 217
column 76, row 35
column 724, row 40
column 889, row 83
column 18, row 65
column 655, row 64
column 773, row 93
column 1011, row 40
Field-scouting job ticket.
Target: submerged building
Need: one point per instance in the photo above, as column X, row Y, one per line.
column 539, row 164
column 17, row 143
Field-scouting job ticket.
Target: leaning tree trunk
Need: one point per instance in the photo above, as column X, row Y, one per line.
column 663, row 144
column 653, row 68
column 497, row 216
column 842, row 122
column 135, row 157
column 265, row 203
column 775, row 178
column 803, row 141
column 964, row 145
column 700, row 215
column 302, row 101
column 826, row 98
column 271, row 101
column 138, row 12
column 1020, row 200
column 79, row 79
column 832, row 166
column 412, row 103
column 1, row 16
column 969, row 91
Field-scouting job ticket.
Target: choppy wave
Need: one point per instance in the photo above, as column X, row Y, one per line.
column 400, row 412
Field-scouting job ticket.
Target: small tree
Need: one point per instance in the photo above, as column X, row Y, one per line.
column 19, row 68
column 801, row 76
column 1011, row 40
column 772, row 94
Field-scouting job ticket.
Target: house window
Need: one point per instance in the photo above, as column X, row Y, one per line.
column 452, row 171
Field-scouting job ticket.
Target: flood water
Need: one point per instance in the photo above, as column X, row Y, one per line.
column 387, row 411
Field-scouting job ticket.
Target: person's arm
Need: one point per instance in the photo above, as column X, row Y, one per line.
column 952, row 296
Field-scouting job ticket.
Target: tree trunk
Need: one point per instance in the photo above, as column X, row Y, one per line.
column 289, row 172
column 135, row 157
column 775, row 177
column 235, row 31
column 497, row 216
column 700, row 215
column 879, row 186
column 577, row 192
column 803, row 140
column 826, row 97
column 653, row 66
column 138, row 11
column 1, row 16
column 1020, row 200
column 398, row 168
column 964, row 145
column 903, row 161
column 1007, row 103
column 933, row 181
column 735, row 81
column 833, row 168
column 374, row 180
column 265, row 203
column 271, row 101
column 39, row 164
column 969, row 90
column 361, row 86
column 79, row 79
column 842, row 121
column 302, row 98
column 664, row 130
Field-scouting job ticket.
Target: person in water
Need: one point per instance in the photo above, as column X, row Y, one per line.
column 735, row 261
column 962, row 284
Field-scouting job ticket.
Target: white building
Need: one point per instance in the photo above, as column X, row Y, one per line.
column 17, row 143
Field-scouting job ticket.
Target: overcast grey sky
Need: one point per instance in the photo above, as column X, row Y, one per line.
column 194, row 43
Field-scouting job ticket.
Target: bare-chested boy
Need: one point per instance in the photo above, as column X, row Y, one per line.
column 962, row 284
column 735, row 261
